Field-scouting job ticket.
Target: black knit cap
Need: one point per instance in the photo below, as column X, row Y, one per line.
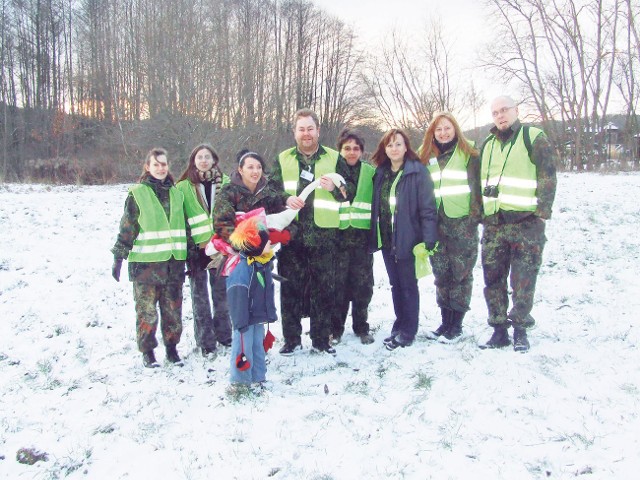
column 252, row 251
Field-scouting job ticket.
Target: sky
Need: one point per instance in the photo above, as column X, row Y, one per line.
column 464, row 21
column 72, row 384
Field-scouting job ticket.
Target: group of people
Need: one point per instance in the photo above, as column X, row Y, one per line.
column 412, row 205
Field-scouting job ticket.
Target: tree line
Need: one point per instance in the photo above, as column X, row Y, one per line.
column 87, row 86
column 576, row 63
column 112, row 77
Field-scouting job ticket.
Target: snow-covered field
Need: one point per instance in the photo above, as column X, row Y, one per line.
column 72, row 383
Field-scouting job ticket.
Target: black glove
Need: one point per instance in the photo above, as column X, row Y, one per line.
column 115, row 269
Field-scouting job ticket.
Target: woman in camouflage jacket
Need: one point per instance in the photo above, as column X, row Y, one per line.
column 153, row 238
column 246, row 191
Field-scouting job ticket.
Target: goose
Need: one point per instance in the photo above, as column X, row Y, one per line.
column 280, row 221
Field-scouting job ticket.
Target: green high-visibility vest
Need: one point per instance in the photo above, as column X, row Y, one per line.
column 159, row 239
column 451, row 184
column 357, row 214
column 200, row 221
column 325, row 207
column 509, row 167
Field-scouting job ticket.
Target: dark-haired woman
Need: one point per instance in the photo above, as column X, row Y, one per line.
column 403, row 215
column 246, row 191
column 453, row 163
column 153, row 239
column 200, row 183
column 354, row 278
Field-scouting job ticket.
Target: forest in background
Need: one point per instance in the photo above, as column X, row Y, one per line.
column 88, row 86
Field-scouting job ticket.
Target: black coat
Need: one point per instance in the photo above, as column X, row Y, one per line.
column 415, row 214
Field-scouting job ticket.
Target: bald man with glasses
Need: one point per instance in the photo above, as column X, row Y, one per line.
column 518, row 181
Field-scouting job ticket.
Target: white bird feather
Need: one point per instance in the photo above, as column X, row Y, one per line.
column 280, row 221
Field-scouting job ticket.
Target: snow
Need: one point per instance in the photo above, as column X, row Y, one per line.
column 72, row 383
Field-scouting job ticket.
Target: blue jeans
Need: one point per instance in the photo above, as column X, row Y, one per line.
column 405, row 295
column 254, row 351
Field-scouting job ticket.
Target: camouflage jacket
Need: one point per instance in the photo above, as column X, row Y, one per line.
column 236, row 197
column 155, row 273
column 309, row 233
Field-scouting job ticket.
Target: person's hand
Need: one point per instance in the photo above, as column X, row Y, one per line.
column 431, row 247
column 295, row 203
column 115, row 269
column 327, row 184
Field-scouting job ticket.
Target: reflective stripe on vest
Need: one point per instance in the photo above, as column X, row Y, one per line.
column 198, row 218
column 325, row 207
column 451, row 184
column 158, row 239
column 358, row 213
column 516, row 179
column 392, row 206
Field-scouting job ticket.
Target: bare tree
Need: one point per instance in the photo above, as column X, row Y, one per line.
column 400, row 86
column 407, row 84
column 129, row 73
column 562, row 54
column 627, row 76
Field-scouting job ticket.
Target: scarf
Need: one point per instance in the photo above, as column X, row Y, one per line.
column 263, row 259
column 214, row 176
column 445, row 147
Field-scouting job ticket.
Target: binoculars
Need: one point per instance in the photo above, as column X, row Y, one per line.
column 491, row 191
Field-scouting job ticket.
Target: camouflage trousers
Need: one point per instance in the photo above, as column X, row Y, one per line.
column 147, row 298
column 512, row 250
column 353, row 285
column 206, row 288
column 454, row 261
column 308, row 291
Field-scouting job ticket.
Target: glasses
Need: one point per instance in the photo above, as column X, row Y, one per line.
column 502, row 111
column 351, row 149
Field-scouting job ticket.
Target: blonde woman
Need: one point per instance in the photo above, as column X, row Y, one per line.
column 453, row 163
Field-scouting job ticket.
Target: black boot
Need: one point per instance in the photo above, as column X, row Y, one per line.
column 520, row 341
column 149, row 359
column 499, row 339
column 290, row 346
column 455, row 327
column 172, row 355
column 444, row 326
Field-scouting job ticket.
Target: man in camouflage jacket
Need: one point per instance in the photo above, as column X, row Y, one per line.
column 518, row 178
column 308, row 261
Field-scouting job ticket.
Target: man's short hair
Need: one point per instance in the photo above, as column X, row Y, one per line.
column 305, row 112
column 507, row 99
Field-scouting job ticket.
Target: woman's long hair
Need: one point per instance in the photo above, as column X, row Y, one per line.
column 380, row 157
column 191, row 172
column 429, row 149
